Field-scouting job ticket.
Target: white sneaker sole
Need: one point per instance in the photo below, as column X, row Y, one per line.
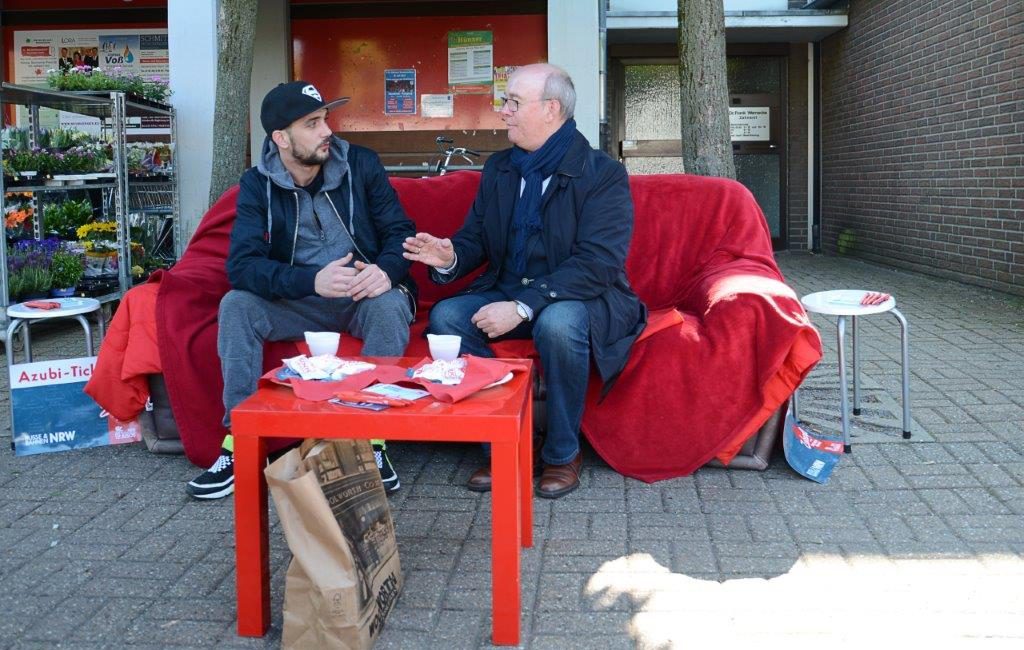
column 219, row 494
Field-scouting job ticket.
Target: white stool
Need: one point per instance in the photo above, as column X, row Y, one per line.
column 21, row 316
column 843, row 303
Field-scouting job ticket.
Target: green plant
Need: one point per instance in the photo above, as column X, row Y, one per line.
column 35, row 279
column 65, row 218
column 846, row 241
column 66, row 269
column 84, row 77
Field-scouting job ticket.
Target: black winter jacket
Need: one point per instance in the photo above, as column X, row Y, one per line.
column 263, row 238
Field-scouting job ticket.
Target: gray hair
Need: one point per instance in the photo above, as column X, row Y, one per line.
column 558, row 85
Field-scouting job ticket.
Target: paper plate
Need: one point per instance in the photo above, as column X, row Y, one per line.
column 504, row 380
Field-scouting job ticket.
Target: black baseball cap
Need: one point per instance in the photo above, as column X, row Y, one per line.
column 291, row 101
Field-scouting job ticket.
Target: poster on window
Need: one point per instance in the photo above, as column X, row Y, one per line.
column 400, row 92
column 38, row 428
column 470, row 61
column 501, row 75
column 38, row 53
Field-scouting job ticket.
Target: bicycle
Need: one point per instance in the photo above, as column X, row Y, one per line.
column 441, row 168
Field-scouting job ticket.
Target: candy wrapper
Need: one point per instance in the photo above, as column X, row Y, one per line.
column 449, row 373
column 325, row 366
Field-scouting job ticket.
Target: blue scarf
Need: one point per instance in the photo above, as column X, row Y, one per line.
column 535, row 167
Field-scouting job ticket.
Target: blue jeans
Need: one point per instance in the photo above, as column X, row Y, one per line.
column 561, row 334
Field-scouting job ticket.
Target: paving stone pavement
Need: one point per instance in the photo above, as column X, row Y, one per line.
column 910, row 542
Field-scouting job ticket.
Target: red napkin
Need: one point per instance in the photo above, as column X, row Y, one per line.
column 480, row 372
column 42, row 304
column 321, row 391
column 874, row 298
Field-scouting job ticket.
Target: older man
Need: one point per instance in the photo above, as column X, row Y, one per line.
column 552, row 221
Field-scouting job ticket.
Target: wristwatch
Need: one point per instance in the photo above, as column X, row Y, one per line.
column 521, row 310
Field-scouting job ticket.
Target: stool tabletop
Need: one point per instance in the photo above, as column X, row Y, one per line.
column 844, row 302
column 68, row 307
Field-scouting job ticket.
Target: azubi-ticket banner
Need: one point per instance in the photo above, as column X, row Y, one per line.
column 51, row 413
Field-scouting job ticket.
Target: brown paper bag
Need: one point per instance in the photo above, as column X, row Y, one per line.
column 345, row 576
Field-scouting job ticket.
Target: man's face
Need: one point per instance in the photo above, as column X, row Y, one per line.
column 536, row 119
column 309, row 138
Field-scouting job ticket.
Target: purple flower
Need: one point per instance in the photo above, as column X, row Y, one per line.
column 156, row 78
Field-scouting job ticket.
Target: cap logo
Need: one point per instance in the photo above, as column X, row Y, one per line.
column 311, row 91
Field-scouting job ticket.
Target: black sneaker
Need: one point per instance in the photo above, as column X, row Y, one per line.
column 387, row 472
column 216, row 482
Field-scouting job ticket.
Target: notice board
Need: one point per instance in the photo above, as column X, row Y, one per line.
column 350, row 57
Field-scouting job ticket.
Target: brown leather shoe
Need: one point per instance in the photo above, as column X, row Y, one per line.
column 559, row 480
column 480, row 480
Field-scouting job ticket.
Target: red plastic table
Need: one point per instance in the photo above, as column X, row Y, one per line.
column 502, row 416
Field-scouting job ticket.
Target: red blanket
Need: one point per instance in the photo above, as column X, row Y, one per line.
column 728, row 341
column 127, row 356
column 699, row 389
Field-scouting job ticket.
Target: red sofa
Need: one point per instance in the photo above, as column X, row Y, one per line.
column 726, row 345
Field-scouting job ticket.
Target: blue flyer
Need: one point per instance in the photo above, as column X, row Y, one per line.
column 400, row 92
column 52, row 413
column 812, row 456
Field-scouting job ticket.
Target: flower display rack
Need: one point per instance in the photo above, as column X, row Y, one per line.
column 115, row 193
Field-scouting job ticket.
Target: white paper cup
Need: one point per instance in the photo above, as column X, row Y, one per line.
column 322, row 343
column 444, row 347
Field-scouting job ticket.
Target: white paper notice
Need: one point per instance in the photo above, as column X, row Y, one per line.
column 470, row 56
column 436, row 105
column 749, row 123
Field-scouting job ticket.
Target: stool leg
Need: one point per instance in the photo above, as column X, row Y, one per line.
column 27, row 338
column 856, row 367
column 101, row 320
column 12, row 328
column 905, row 350
column 844, row 414
column 88, row 333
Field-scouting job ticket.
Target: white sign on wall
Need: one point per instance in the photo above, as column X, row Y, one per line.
column 749, row 123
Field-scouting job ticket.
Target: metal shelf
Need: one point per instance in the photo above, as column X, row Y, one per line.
column 152, row 193
column 94, row 103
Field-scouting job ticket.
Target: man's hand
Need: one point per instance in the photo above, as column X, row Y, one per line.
column 497, row 318
column 370, row 282
column 335, row 279
column 430, row 250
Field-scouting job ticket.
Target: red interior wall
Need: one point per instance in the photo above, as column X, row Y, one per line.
column 348, row 56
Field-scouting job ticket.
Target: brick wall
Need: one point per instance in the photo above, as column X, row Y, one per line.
column 923, row 135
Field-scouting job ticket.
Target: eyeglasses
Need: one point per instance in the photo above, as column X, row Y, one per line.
column 513, row 104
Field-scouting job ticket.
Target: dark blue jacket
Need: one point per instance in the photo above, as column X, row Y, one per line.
column 587, row 212
column 264, row 235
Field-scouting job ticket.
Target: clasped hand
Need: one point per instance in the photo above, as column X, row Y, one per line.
column 361, row 280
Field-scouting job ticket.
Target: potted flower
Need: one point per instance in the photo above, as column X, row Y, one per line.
column 66, row 269
column 18, row 220
column 100, row 241
column 84, row 77
column 64, row 219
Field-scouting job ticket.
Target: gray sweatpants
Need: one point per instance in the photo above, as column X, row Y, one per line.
column 246, row 321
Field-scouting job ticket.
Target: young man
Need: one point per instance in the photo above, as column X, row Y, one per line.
column 316, row 245
column 552, row 221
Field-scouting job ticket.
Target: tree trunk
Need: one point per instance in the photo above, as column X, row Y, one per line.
column 236, row 25
column 703, row 89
